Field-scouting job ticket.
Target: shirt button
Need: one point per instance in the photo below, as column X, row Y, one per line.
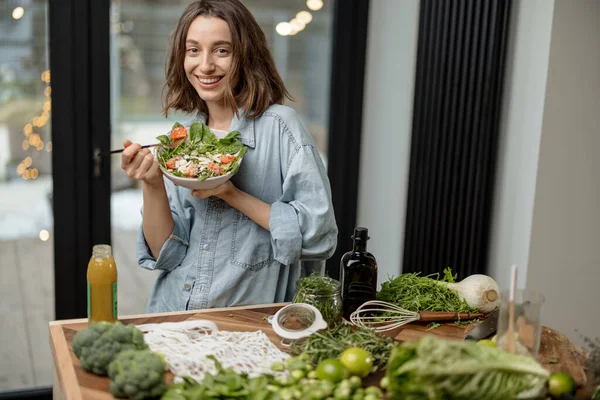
column 205, row 246
column 187, row 286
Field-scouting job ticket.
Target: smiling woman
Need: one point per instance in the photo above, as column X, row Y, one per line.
column 273, row 213
column 140, row 30
column 213, row 39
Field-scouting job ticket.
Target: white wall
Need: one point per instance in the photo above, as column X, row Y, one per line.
column 520, row 132
column 387, row 124
column 546, row 216
column 564, row 261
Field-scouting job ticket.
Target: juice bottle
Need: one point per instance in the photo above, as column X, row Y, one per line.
column 358, row 272
column 102, row 285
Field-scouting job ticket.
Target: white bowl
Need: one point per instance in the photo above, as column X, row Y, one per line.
column 195, row 184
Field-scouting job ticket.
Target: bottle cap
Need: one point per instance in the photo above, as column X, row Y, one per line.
column 361, row 233
column 102, row 251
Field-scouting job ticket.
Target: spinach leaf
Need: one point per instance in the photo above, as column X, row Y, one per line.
column 202, row 177
column 203, row 148
column 230, row 138
column 177, row 173
column 164, row 140
column 231, row 148
column 195, row 131
column 207, row 135
column 232, row 167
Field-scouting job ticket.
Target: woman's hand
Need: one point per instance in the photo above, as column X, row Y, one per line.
column 140, row 164
column 223, row 191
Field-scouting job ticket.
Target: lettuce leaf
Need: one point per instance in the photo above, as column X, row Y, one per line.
column 434, row 369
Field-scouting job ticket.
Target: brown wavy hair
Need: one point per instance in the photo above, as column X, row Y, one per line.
column 257, row 83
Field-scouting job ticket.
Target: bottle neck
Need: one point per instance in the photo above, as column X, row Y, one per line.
column 360, row 246
column 102, row 251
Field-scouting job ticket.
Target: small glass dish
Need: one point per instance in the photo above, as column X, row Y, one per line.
column 295, row 322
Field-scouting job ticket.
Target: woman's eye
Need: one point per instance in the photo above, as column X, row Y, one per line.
column 222, row 51
column 192, row 50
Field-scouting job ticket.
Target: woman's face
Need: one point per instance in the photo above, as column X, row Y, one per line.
column 208, row 57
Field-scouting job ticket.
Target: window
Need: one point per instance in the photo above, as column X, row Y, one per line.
column 26, row 222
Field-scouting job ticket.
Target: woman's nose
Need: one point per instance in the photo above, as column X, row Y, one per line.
column 206, row 63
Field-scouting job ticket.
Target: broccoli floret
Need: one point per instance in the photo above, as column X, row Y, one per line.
column 85, row 338
column 98, row 344
column 137, row 374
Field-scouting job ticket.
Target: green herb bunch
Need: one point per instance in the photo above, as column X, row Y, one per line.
column 421, row 293
column 332, row 343
column 294, row 379
column 323, row 293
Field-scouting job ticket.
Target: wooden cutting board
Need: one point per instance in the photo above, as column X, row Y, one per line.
column 73, row 382
column 558, row 354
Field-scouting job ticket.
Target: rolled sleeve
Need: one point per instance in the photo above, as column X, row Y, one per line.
column 285, row 233
column 171, row 254
column 175, row 247
column 302, row 221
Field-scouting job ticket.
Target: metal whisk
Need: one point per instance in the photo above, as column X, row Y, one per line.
column 371, row 315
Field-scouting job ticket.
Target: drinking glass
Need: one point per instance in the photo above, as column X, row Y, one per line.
column 527, row 321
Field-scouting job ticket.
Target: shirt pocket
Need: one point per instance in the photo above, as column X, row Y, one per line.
column 251, row 244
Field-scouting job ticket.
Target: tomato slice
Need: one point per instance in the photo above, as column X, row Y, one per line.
column 216, row 169
column 192, row 171
column 171, row 163
column 226, row 158
column 178, row 133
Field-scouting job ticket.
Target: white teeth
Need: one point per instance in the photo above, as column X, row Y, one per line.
column 214, row 80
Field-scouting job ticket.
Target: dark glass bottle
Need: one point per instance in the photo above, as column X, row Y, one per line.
column 358, row 273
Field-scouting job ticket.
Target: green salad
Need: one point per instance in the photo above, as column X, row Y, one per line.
column 200, row 155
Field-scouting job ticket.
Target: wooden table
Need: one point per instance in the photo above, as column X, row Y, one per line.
column 72, row 382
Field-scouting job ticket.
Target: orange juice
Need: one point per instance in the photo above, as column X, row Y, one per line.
column 102, row 285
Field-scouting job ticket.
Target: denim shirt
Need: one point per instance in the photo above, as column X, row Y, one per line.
column 218, row 257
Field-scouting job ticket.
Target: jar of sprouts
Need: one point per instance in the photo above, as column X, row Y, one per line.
column 322, row 292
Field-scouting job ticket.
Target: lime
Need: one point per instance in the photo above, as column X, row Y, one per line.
column 487, row 342
column 560, row 383
column 358, row 361
column 374, row 390
column 295, row 363
column 385, row 382
column 355, row 382
column 331, row 370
